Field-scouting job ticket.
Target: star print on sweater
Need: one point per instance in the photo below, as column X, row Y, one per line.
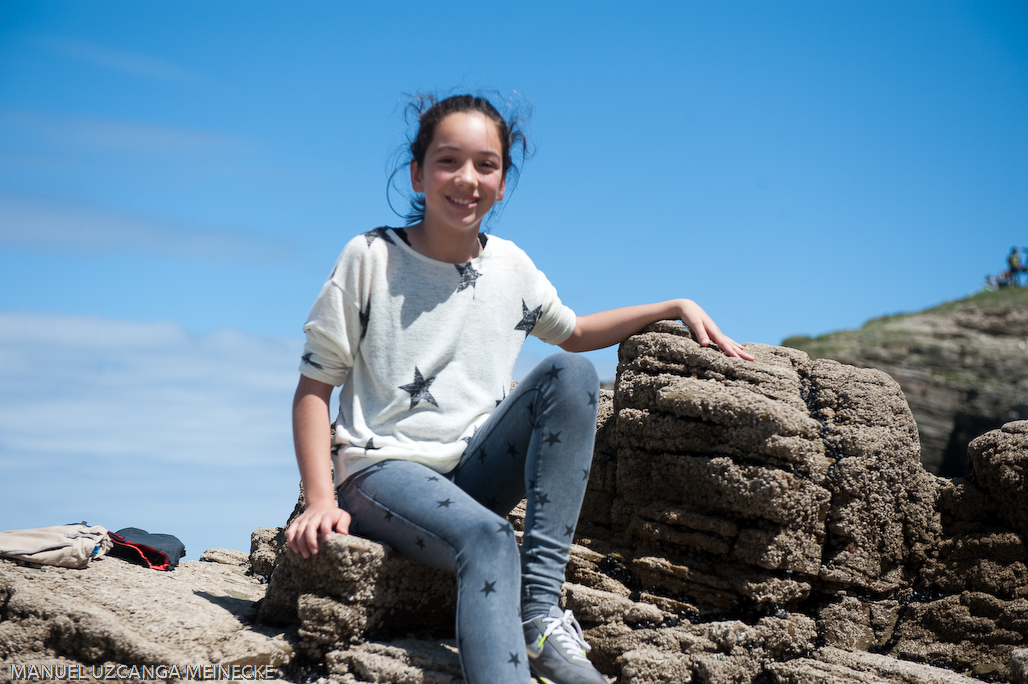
column 365, row 316
column 528, row 318
column 468, row 345
column 378, row 233
column 418, row 389
column 307, row 359
column 468, row 276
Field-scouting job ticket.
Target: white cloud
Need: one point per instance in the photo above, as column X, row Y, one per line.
column 118, row 60
column 45, row 225
column 92, row 133
column 125, row 423
column 95, row 387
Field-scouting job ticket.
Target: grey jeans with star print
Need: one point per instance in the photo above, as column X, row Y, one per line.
column 537, row 445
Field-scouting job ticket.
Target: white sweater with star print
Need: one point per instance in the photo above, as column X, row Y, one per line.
column 424, row 350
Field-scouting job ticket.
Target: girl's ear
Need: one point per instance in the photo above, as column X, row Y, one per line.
column 415, row 177
column 503, row 186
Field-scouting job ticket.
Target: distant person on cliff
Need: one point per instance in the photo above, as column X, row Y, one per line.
column 421, row 326
column 1014, row 261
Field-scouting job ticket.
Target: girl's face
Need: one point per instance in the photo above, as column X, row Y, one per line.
column 462, row 175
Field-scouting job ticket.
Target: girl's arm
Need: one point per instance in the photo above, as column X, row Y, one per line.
column 605, row 328
column 311, row 430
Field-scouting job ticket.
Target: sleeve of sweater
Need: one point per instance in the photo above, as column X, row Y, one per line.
column 333, row 327
column 557, row 321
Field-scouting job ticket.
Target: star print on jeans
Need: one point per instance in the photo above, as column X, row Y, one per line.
column 542, row 499
column 529, row 318
column 514, row 659
column 488, row 588
column 418, row 389
column 445, row 503
column 468, row 276
column 592, row 399
column 554, row 438
column 554, row 372
column 531, row 411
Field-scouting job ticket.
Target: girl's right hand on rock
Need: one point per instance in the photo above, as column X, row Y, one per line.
column 314, row 523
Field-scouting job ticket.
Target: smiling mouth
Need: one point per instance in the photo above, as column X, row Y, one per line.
column 462, row 201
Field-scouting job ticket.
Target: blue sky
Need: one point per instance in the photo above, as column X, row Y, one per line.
column 176, row 180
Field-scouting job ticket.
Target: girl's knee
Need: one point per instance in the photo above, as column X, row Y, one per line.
column 492, row 538
column 580, row 370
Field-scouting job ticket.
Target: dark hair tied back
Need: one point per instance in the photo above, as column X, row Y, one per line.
column 428, row 112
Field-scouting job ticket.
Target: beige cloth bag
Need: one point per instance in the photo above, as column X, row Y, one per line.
column 67, row 546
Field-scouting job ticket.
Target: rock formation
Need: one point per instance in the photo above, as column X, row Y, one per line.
column 763, row 521
column 115, row 613
column 963, row 367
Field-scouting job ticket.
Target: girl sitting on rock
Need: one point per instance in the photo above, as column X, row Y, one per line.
column 421, row 326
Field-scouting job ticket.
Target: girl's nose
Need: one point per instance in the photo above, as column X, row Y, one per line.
column 466, row 174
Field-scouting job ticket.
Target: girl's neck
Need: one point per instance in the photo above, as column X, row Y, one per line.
column 443, row 245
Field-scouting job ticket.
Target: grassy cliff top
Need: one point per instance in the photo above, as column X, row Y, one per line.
column 829, row 344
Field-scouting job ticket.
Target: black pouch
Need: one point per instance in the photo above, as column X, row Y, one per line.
column 156, row 551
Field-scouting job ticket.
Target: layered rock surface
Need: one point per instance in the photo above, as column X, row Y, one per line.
column 115, row 613
column 963, row 367
column 763, row 521
column 745, row 485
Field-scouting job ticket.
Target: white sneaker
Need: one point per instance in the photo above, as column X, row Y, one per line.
column 557, row 649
